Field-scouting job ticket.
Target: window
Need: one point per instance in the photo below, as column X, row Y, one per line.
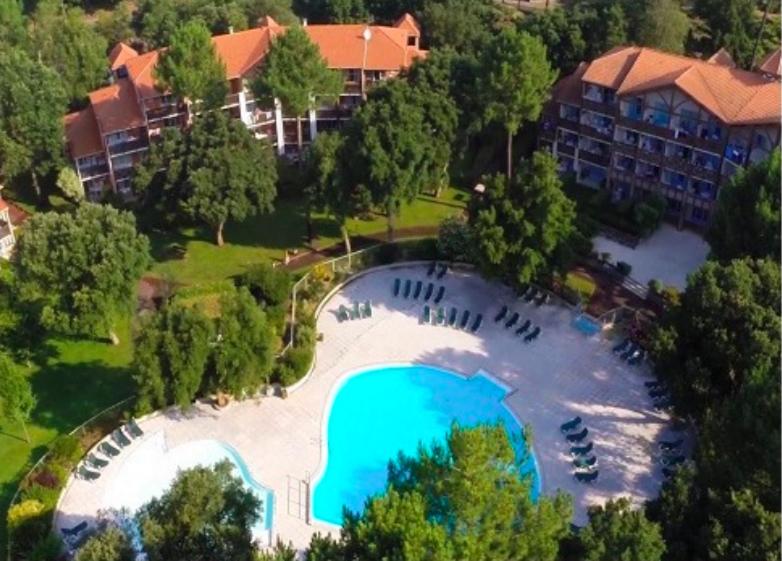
column 703, row 189
column 652, row 144
column 674, row 179
column 568, row 112
column 412, row 41
column 711, row 131
column 624, row 163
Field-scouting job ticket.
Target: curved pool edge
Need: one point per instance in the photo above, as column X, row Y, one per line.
column 342, row 380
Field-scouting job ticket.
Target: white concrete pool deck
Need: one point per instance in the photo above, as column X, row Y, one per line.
column 562, row 374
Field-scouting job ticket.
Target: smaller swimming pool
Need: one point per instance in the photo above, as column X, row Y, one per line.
column 586, row 325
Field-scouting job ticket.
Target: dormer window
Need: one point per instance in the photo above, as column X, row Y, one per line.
column 412, row 41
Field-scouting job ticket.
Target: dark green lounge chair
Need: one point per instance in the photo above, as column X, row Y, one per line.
column 586, row 476
column 443, row 270
column 585, row 463
column 427, row 317
column 397, row 284
column 512, row 321
column 524, row 326
column 581, row 450
column 432, row 267
column 440, row 316
column 532, row 335
column 75, row 530
column 87, row 474
column 501, row 314
column 429, row 291
column 96, row 462
column 476, row 325
column 440, row 294
column 134, row 430
column 452, row 317
column 343, row 314
column 119, row 438
column 408, row 286
column 368, row 309
column 465, row 319
column 571, row 425
column 577, row 437
column 107, row 449
column 356, row 312
column 418, row 286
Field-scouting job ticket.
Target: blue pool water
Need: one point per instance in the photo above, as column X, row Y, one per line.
column 380, row 412
column 586, row 325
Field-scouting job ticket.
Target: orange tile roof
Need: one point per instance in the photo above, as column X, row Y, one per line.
column 140, row 72
column 723, row 58
column 343, row 46
column 568, row 89
column 734, row 96
column 116, row 107
column 409, row 24
column 772, row 64
column 243, row 50
column 81, row 130
column 120, row 54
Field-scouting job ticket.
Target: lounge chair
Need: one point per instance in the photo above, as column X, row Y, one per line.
column 621, row 347
column 440, row 316
column 542, row 299
column 430, row 270
column 133, row 429
column 571, row 425
column 657, row 394
column 368, row 309
column 531, row 295
column 443, row 270
column 86, row 474
column 512, row 321
column 501, row 314
column 75, row 530
column 629, row 352
column 524, row 326
column 96, row 462
column 408, row 286
column 663, row 404
column 637, row 359
column 634, row 357
column 670, row 445
column 119, row 438
column 581, row 450
column 452, row 317
column 524, row 289
column 418, row 286
column 586, row 476
column 440, row 294
column 343, row 313
column 532, row 335
column 356, row 311
column 578, row 436
column 107, row 449
column 585, row 463
column 429, row 291
column 671, row 461
column 476, row 325
column 427, row 317
column 465, row 319
column 397, row 284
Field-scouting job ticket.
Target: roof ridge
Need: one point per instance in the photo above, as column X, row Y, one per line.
column 697, row 71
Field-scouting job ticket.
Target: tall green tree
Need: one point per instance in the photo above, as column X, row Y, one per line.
column 522, row 227
column 110, row 544
column 170, row 356
column 191, row 69
column 80, row 270
column 560, row 31
column 463, row 25
column 747, row 220
column 732, row 24
column 16, row 395
column 332, row 11
column 32, row 102
column 13, row 31
column 516, row 82
column 617, row 532
column 664, row 26
column 64, row 41
column 206, row 514
column 245, row 345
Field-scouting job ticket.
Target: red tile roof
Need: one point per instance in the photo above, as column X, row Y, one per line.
column 120, row 54
column 116, row 107
column 734, row 96
column 82, row 133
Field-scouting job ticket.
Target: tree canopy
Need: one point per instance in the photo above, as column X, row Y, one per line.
column 522, row 228
column 747, row 218
column 110, row 544
column 80, row 269
column 16, row 395
column 617, row 532
column 732, row 24
column 664, row 26
column 207, row 513
column 190, row 67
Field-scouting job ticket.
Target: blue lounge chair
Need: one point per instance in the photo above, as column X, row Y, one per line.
column 571, row 425
column 586, row 476
column 408, row 286
column 577, row 437
column 418, row 286
column 430, row 270
column 135, row 430
column 356, row 311
column 531, row 295
column 96, row 462
column 465, row 319
column 443, row 270
column 75, row 530
column 532, row 335
column 397, row 284
column 621, row 347
column 671, row 461
column 440, row 316
column 585, row 463
column 452, row 317
column 524, row 326
column 119, row 438
column 427, row 317
column 108, row 450
column 581, row 450
column 670, row 445
column 512, row 321
column 368, row 309
column 476, row 325
column 440, row 294
column 501, row 314
column 429, row 291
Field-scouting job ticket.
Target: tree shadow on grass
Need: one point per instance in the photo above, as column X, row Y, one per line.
column 69, row 394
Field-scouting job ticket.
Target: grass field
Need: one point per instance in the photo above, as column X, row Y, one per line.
column 76, row 379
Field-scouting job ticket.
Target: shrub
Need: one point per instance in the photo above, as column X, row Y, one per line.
column 47, row 549
column 624, row 268
column 269, row 286
column 28, row 523
column 671, row 296
column 45, row 495
column 294, row 365
column 455, row 240
column 584, row 286
column 388, row 253
column 21, row 512
column 67, row 449
column 655, row 286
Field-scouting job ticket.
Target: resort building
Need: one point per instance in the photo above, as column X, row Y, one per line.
column 109, row 137
column 7, row 239
column 637, row 121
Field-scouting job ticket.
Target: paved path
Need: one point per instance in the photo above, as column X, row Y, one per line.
column 562, row 374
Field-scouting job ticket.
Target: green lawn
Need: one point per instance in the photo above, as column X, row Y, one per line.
column 267, row 237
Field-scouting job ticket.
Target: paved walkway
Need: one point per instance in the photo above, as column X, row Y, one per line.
column 564, row 373
column 668, row 255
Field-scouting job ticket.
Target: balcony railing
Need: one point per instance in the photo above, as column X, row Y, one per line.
column 128, row 146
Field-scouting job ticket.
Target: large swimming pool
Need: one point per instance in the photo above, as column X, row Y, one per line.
column 379, row 412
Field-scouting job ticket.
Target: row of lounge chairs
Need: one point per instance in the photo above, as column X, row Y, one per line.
column 531, row 294
column 671, row 457
column 451, row 319
column 661, row 397
column 440, row 268
column 586, row 465
column 409, row 291
column 357, row 311
column 531, row 334
column 90, row 467
column 630, row 352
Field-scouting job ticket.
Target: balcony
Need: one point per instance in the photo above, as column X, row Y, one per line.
column 130, row 145
column 647, row 171
column 625, row 164
column 594, row 158
column 93, row 170
column 736, row 154
column 569, row 113
column 123, row 173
